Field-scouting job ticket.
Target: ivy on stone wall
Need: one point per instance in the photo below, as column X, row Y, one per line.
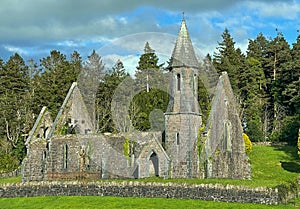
column 298, row 144
column 201, row 139
column 126, row 147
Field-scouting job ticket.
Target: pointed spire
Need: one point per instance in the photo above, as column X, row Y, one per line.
column 183, row 54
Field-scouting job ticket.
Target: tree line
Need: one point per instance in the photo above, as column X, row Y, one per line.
column 265, row 81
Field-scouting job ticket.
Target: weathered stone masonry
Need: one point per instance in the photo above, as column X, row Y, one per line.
column 68, row 147
column 210, row 192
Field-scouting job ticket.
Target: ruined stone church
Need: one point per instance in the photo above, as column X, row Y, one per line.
column 69, row 148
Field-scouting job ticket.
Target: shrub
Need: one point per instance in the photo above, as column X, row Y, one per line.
column 298, row 144
column 126, row 147
column 201, row 139
column 8, row 162
column 248, row 144
column 254, row 130
column 288, row 132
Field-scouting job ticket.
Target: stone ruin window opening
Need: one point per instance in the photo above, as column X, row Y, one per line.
column 227, row 136
column 177, row 138
column 48, row 145
column 45, row 130
column 153, row 164
column 178, row 82
column 194, row 84
column 82, row 160
column 163, row 141
column 88, row 159
column 44, row 156
column 87, row 131
column 65, row 156
column 136, row 172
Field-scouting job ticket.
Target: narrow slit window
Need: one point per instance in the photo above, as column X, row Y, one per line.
column 195, row 84
column 65, row 156
column 177, row 138
column 44, row 155
column 178, row 82
column 164, row 139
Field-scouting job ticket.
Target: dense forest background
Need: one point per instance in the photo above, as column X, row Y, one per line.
column 265, row 80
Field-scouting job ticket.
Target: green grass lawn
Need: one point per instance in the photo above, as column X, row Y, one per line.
column 274, row 165
column 120, row 203
column 271, row 166
column 10, row 180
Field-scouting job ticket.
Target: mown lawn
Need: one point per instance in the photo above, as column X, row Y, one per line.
column 10, row 180
column 120, row 203
column 271, row 166
column 274, row 165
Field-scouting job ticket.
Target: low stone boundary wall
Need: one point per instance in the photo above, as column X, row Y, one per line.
column 73, row 175
column 212, row 192
column 14, row 173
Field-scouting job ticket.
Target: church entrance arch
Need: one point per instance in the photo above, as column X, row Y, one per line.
column 153, row 163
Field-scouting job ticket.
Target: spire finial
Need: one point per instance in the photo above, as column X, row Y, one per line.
column 182, row 15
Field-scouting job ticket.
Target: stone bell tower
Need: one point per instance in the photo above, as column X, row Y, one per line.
column 183, row 115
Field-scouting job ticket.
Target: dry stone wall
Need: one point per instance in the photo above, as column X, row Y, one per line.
column 14, row 173
column 211, row 192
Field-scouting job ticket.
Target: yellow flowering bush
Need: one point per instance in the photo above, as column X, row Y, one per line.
column 248, row 144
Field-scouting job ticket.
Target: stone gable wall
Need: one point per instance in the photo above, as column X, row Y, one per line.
column 145, row 163
column 225, row 148
column 210, row 192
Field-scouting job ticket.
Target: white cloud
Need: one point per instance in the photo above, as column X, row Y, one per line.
column 68, row 43
column 50, row 19
column 162, row 43
column 89, row 24
column 123, row 20
column 14, row 49
column 243, row 45
column 283, row 9
column 130, row 62
column 129, row 48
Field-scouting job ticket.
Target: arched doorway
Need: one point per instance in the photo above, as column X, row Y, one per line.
column 153, row 164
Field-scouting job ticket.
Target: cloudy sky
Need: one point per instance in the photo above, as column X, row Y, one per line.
column 120, row 28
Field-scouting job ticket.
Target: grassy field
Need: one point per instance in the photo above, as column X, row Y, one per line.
column 120, row 203
column 10, row 180
column 274, row 165
column 271, row 166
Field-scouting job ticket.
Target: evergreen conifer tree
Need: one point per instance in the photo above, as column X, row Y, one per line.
column 105, row 94
column 57, row 77
column 15, row 114
column 150, row 98
column 228, row 59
